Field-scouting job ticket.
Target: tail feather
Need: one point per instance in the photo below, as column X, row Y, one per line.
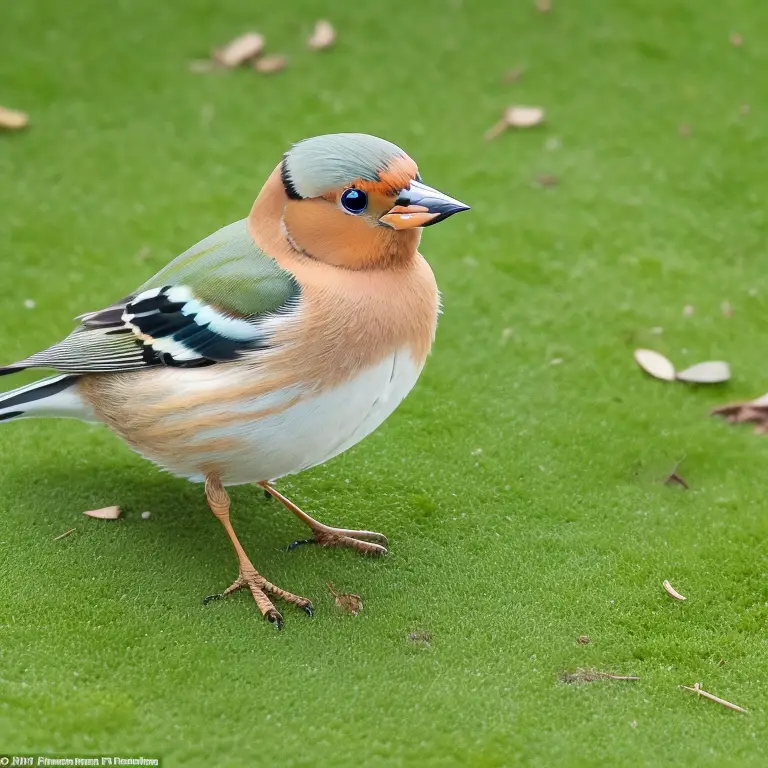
column 54, row 396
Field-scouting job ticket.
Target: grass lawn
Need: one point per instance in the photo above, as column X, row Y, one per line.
column 523, row 498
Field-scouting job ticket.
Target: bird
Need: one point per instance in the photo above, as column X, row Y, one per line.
column 272, row 345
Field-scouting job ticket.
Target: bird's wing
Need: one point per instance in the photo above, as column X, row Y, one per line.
column 209, row 305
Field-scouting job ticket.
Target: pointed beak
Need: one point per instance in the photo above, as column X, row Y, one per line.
column 421, row 206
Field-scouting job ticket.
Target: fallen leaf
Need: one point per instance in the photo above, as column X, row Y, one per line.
column 736, row 39
column 523, row 117
column 752, row 411
column 64, row 535
column 12, row 119
column 268, row 65
column 352, row 604
column 240, row 50
column 672, row 592
column 543, row 6
column 698, row 690
column 106, row 513
column 655, row 364
column 547, row 180
column 584, row 640
column 322, row 37
column 711, row 372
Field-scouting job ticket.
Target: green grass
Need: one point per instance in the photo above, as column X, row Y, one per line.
column 523, row 499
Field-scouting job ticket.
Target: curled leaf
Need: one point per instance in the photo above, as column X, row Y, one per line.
column 106, row 513
column 672, row 592
column 655, row 364
column 323, row 36
column 12, row 119
column 711, row 372
column 352, row 604
column 240, row 50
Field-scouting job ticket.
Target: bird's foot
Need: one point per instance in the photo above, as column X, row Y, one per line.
column 260, row 589
column 365, row 542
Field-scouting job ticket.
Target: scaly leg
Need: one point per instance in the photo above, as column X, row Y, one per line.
column 218, row 501
column 362, row 541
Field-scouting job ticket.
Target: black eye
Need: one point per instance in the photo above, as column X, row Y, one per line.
column 354, row 200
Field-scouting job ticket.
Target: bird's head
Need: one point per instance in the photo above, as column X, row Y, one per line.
column 357, row 201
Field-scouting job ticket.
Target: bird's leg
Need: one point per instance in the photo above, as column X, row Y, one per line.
column 218, row 501
column 367, row 542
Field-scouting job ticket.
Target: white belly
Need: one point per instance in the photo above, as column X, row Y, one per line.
column 309, row 432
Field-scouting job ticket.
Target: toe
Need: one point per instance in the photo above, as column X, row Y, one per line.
column 273, row 617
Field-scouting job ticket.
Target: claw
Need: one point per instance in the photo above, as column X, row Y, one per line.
column 308, row 609
column 273, row 617
column 210, row 598
column 298, row 543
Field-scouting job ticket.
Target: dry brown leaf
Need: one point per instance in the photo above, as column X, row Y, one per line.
column 523, row 117
column 547, row 180
column 12, row 119
column 710, row 372
column 240, row 50
column 322, row 37
column 672, row 592
column 753, row 411
column 106, row 513
column 736, row 39
column 268, row 65
column 352, row 604
column 64, row 535
column 655, row 364
column 698, row 689
column 584, row 640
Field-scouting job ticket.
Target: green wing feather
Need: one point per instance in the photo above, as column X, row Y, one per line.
column 228, row 270
column 205, row 306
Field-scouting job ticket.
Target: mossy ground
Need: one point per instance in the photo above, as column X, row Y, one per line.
column 523, row 498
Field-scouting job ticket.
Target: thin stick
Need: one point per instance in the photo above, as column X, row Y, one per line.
column 64, row 535
column 698, row 690
column 618, row 677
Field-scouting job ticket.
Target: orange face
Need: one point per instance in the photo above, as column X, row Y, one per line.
column 367, row 224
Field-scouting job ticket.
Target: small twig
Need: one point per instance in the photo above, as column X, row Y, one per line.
column 675, row 477
column 698, row 690
column 672, row 592
column 64, row 535
column 618, row 677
